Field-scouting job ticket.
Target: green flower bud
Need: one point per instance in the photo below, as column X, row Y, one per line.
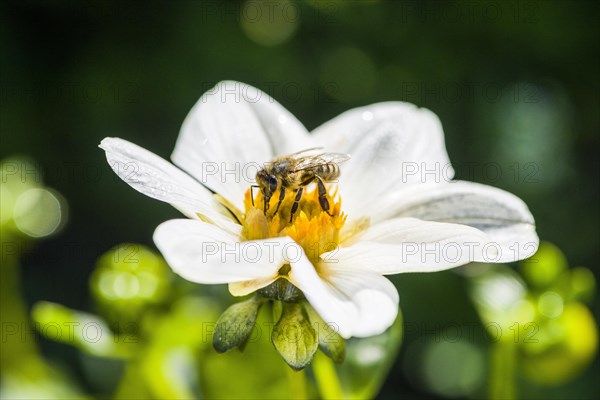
column 294, row 337
column 235, row 324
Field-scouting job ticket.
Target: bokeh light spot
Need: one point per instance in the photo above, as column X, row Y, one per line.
column 545, row 266
column 524, row 311
column 126, row 285
column 370, row 353
column 453, row 369
column 269, row 23
column 105, row 284
column 39, row 212
column 551, row 304
column 148, row 284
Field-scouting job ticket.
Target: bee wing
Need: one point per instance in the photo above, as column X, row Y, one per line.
column 307, row 152
column 320, row 159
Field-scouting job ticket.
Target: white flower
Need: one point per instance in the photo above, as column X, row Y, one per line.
column 401, row 212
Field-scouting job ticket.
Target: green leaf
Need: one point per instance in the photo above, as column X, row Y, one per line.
column 330, row 342
column 294, row 337
column 235, row 324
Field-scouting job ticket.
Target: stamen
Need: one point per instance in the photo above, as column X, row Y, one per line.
column 311, row 227
column 230, row 207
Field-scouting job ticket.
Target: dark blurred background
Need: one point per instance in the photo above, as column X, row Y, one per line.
column 515, row 84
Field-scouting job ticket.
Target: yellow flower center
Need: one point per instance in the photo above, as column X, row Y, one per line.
column 311, row 227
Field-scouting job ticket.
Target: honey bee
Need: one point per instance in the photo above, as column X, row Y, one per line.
column 294, row 172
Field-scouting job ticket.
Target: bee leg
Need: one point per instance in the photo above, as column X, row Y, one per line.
column 266, row 201
column 281, row 197
column 323, row 196
column 296, row 201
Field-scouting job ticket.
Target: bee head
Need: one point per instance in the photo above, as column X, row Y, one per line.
column 267, row 182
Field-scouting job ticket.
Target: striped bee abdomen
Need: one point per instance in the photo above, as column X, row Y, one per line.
column 328, row 172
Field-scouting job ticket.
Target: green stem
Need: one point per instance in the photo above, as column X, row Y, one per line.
column 18, row 344
column 502, row 370
column 297, row 380
column 327, row 379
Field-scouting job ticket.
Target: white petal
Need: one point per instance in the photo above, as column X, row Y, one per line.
column 411, row 245
column 502, row 216
column 284, row 131
column 203, row 253
column 392, row 144
column 244, row 288
column 355, row 303
column 230, row 132
column 157, row 178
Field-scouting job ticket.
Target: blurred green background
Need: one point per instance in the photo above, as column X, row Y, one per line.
column 515, row 84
